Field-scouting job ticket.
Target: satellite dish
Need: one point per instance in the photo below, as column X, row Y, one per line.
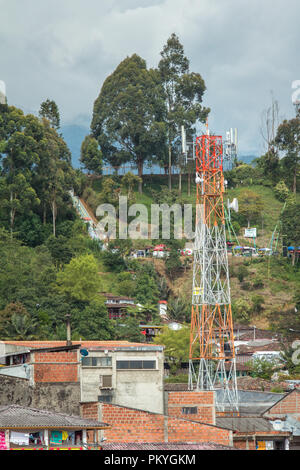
column 198, row 180
column 277, row 425
column 234, row 205
column 84, row 352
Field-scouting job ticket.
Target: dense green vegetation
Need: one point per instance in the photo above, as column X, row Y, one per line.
column 49, row 267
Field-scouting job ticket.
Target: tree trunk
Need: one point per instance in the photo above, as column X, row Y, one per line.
column 170, row 167
column 140, row 171
column 11, row 215
column 44, row 214
column 189, row 184
column 54, row 210
column 179, row 186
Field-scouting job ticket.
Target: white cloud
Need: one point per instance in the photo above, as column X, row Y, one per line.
column 64, row 49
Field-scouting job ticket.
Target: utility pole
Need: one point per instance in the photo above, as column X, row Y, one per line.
column 212, row 363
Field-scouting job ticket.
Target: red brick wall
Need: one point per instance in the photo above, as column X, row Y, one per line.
column 89, row 410
column 56, row 366
column 242, row 445
column 204, row 401
column 288, row 405
column 183, row 430
column 130, row 425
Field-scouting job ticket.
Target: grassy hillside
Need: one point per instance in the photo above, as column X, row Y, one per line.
column 271, row 282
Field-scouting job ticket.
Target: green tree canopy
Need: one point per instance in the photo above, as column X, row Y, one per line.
column 291, row 224
column 250, row 205
column 20, row 137
column 54, row 175
column 288, row 140
column 183, row 94
column 177, row 344
column 91, row 155
column 49, row 110
column 80, row 279
column 128, row 115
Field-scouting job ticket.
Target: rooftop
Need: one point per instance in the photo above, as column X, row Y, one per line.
column 109, row 296
column 19, row 417
column 164, row 446
column 246, row 424
column 100, row 345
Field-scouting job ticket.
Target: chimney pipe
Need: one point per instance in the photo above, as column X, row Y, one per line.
column 68, row 322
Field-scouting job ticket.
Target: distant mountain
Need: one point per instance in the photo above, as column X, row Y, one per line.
column 74, row 135
column 247, row 158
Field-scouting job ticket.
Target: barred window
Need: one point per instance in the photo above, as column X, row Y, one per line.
column 190, row 410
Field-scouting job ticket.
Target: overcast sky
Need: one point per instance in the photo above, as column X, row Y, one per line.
column 64, row 49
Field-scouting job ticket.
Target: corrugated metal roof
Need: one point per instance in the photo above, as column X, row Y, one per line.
column 15, row 416
column 245, row 424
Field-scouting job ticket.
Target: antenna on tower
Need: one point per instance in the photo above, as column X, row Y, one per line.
column 207, row 128
column 2, row 92
column 230, row 148
column 188, row 147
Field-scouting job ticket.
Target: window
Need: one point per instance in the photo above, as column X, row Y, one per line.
column 106, row 381
column 137, row 364
column 191, row 410
column 97, row 361
column 105, row 398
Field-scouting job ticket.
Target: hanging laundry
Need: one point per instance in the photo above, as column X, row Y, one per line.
column 56, row 437
column 19, row 438
column 2, row 441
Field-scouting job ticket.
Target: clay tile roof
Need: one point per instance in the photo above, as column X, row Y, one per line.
column 84, row 344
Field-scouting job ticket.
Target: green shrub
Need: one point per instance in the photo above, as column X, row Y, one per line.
column 257, row 303
column 242, row 273
column 258, row 282
column 246, row 286
column 281, row 191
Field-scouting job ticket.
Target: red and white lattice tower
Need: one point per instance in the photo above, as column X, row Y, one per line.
column 212, row 364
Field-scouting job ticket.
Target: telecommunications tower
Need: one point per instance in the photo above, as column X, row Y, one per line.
column 212, row 364
column 230, row 149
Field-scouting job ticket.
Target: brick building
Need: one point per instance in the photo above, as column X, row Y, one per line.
column 285, row 416
column 188, row 417
column 128, row 374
